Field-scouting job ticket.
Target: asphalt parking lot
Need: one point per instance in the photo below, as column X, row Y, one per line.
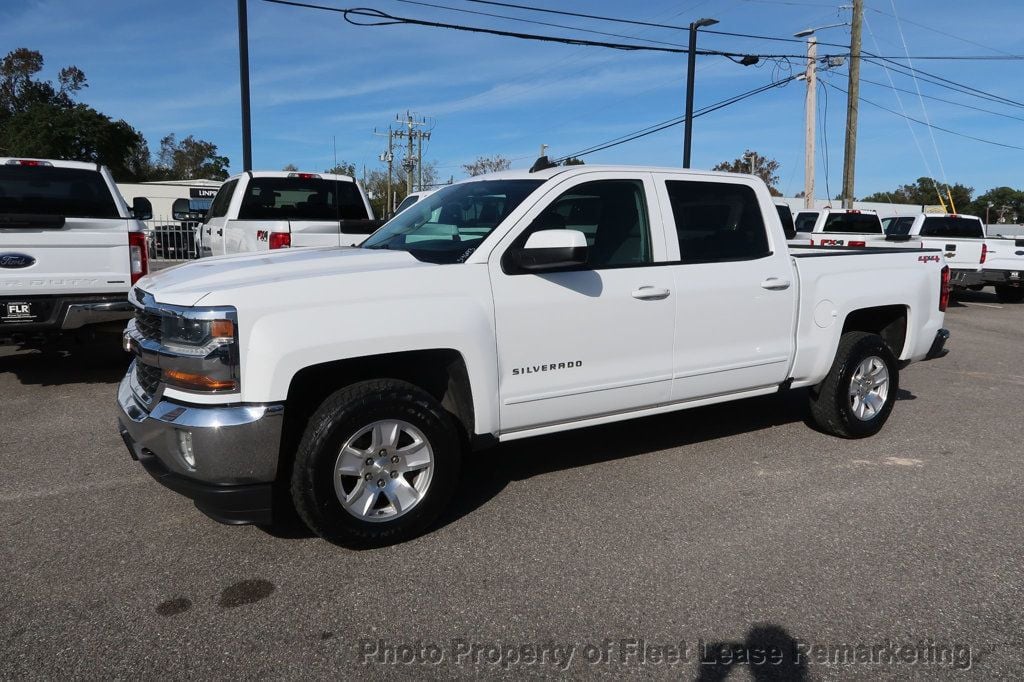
column 598, row 552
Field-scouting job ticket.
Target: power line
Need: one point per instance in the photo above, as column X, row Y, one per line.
column 938, row 99
column 664, row 125
column 940, row 81
column 385, row 19
column 944, row 33
column 930, row 125
column 532, row 21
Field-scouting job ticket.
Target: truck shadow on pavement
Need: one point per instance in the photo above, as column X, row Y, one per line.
column 486, row 474
column 100, row 361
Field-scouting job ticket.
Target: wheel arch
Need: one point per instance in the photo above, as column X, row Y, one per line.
column 441, row 372
column 888, row 321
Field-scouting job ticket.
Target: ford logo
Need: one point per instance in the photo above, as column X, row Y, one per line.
column 14, row 261
column 1019, row 253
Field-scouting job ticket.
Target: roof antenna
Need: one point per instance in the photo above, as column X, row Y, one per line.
column 541, row 163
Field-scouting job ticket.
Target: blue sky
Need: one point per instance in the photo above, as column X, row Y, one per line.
column 172, row 67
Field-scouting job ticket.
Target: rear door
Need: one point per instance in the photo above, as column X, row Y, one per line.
column 61, row 232
column 211, row 232
column 733, row 288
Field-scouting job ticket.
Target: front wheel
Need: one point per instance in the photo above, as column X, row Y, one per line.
column 378, row 462
column 857, row 395
column 1008, row 294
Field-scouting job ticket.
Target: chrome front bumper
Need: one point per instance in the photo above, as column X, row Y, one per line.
column 234, row 450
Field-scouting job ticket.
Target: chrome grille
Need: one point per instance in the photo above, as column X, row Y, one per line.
column 148, row 377
column 148, row 325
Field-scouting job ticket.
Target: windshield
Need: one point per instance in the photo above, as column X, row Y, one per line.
column 805, row 221
column 69, row 192
column 853, row 223
column 948, row 226
column 898, row 225
column 302, row 199
column 448, row 225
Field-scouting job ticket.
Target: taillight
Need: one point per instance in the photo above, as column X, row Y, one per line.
column 812, row 242
column 138, row 257
column 984, row 252
column 944, row 289
column 280, row 240
column 858, row 244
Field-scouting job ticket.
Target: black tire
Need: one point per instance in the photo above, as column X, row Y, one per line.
column 831, row 407
column 1008, row 294
column 342, row 415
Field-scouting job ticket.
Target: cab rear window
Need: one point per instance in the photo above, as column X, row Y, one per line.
column 853, row 223
column 46, row 190
column 947, row 226
column 302, row 199
column 805, row 221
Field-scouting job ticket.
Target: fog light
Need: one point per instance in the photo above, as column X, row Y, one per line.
column 185, row 448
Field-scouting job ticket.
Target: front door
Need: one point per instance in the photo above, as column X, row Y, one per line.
column 594, row 340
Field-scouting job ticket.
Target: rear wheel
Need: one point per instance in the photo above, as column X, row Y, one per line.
column 1008, row 294
column 857, row 396
column 378, row 462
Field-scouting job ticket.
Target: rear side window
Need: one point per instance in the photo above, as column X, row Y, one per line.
column 717, row 221
column 302, row 199
column 898, row 226
column 853, row 223
column 946, row 226
column 219, row 207
column 45, row 190
column 786, row 216
column 805, row 221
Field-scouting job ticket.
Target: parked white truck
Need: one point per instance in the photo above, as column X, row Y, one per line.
column 1004, row 265
column 502, row 307
column 848, row 227
column 960, row 237
column 264, row 210
column 70, row 248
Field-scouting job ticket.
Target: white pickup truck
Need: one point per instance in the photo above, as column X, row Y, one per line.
column 70, row 249
column 264, row 210
column 960, row 237
column 847, row 227
column 1004, row 265
column 506, row 306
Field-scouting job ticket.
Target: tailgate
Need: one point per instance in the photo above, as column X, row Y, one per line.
column 82, row 255
column 315, row 232
column 961, row 254
column 1005, row 254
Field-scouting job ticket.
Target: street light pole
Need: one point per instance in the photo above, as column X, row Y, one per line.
column 691, row 68
column 243, row 77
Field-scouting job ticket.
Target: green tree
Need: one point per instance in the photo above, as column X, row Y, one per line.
column 342, row 168
column 38, row 118
column 926, row 192
column 763, row 167
column 290, row 167
column 487, row 164
column 572, row 161
column 190, row 159
column 999, row 205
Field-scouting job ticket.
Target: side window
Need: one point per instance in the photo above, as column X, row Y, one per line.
column 219, row 207
column 717, row 221
column 612, row 214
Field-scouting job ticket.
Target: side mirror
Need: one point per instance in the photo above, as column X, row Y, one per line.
column 142, row 209
column 553, row 250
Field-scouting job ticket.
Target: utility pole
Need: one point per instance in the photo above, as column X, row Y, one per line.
column 389, row 157
column 691, row 69
column 810, row 120
column 753, row 162
column 852, row 98
column 409, row 164
column 243, row 78
column 423, row 135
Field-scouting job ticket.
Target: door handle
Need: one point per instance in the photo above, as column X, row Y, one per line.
column 207, row 230
column 775, row 284
column 220, row 233
column 649, row 293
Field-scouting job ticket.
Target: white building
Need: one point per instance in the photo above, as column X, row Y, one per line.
column 163, row 195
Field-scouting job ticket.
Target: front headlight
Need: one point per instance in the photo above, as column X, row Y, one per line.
column 200, row 350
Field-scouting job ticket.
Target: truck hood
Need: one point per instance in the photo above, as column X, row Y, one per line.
column 188, row 284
